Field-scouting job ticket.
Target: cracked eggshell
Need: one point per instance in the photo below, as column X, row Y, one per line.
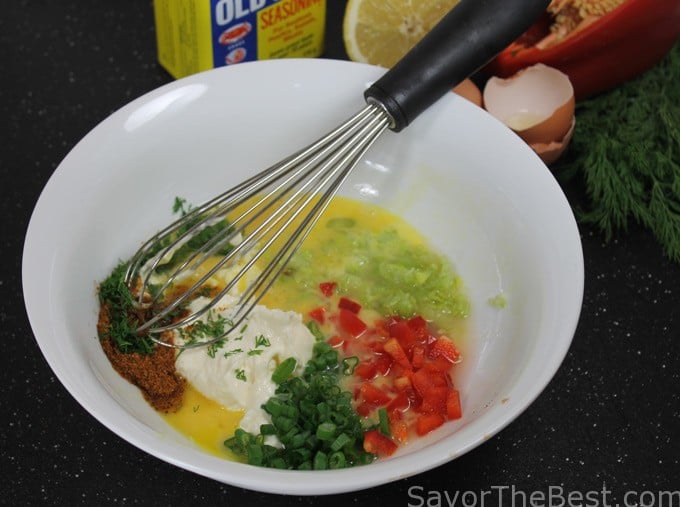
column 550, row 152
column 537, row 103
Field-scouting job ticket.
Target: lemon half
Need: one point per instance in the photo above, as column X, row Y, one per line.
column 380, row 32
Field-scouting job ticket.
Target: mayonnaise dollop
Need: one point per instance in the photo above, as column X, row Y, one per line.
column 237, row 373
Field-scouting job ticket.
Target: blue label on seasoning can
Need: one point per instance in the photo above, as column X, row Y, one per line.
column 195, row 35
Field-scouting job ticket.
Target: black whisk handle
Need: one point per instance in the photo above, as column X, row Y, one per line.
column 466, row 38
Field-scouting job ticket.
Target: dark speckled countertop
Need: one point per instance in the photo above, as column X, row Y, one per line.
column 609, row 419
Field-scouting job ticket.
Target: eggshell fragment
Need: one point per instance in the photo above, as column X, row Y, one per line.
column 468, row 90
column 537, row 103
column 550, row 152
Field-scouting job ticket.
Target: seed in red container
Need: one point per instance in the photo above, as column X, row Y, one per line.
column 235, row 33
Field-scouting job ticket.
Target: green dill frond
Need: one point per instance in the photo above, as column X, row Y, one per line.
column 115, row 295
column 626, row 146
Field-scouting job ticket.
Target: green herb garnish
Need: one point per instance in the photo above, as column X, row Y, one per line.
column 384, row 422
column 209, row 329
column 232, row 352
column 312, row 417
column 181, row 207
column 284, row 370
column 123, row 320
column 348, row 365
column 626, row 146
column 262, row 341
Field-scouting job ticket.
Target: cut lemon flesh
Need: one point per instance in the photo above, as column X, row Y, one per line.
column 380, row 32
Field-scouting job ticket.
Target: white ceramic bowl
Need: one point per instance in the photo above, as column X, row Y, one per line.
column 474, row 188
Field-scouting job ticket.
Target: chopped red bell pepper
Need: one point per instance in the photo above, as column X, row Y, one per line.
column 336, row 341
column 350, row 305
column 399, row 430
column 365, row 370
column 418, row 356
column 400, row 403
column 434, row 400
column 419, row 326
column 394, row 349
column 403, row 369
column 421, row 382
column 371, row 394
column 328, row 288
column 428, row 422
column 444, row 347
column 318, row 314
column 351, row 323
column 453, row 407
column 364, row 409
column 437, row 365
column 404, row 333
column 383, row 363
column 403, row 383
column 377, row 443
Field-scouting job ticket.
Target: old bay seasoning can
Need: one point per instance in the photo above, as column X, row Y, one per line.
column 197, row 35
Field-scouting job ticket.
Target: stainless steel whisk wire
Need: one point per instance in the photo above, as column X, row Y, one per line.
column 303, row 184
column 307, row 180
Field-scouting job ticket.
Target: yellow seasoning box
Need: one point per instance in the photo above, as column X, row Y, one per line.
column 197, row 35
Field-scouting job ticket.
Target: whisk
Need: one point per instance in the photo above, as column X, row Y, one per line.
column 275, row 210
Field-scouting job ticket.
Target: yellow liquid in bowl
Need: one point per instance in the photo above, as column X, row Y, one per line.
column 207, row 423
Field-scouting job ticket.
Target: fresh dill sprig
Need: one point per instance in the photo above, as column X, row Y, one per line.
column 123, row 322
column 119, row 301
column 626, row 146
column 182, row 208
column 203, row 330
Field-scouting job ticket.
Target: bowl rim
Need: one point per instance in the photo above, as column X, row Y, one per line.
column 277, row 481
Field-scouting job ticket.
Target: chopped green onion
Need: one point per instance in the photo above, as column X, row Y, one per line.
column 284, row 370
column 267, row 429
column 255, row 455
column 341, row 441
column 320, row 461
column 348, row 365
column 326, row 431
column 337, row 460
column 279, row 463
column 283, row 423
column 384, row 422
column 316, row 331
column 311, row 416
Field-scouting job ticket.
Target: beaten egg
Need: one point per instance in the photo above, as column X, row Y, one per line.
column 207, row 423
